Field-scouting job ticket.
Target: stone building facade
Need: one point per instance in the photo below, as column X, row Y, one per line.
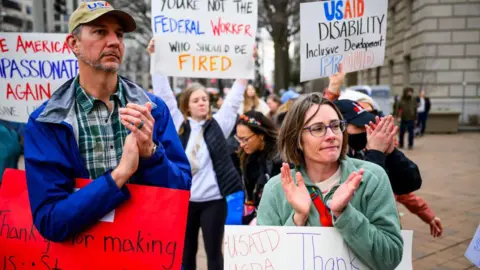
column 432, row 45
column 16, row 16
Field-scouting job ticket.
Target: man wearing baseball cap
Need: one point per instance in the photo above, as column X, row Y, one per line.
column 97, row 125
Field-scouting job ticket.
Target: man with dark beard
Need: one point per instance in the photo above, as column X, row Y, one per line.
column 97, row 125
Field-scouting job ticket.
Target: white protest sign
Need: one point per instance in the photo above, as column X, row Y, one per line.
column 286, row 248
column 473, row 251
column 204, row 38
column 351, row 32
column 32, row 67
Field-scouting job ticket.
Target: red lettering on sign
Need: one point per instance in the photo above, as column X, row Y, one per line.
column 230, row 28
column 42, row 46
column 28, row 91
column 3, row 46
column 147, row 233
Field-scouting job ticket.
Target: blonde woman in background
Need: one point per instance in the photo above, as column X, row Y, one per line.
column 252, row 102
column 282, row 111
column 214, row 175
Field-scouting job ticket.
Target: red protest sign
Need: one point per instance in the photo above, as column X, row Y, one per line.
column 147, row 232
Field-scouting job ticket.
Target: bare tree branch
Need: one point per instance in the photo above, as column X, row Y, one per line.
column 294, row 31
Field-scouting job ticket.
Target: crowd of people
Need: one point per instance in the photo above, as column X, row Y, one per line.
column 317, row 159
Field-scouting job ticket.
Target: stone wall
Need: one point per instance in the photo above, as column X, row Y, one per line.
column 435, row 45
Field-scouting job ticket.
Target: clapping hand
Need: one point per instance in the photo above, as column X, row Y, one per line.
column 381, row 135
column 345, row 192
column 297, row 194
column 139, row 120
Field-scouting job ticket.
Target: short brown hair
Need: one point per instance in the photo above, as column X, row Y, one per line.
column 289, row 139
column 185, row 99
column 275, row 98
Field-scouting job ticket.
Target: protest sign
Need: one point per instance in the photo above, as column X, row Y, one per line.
column 204, row 38
column 32, row 67
column 350, row 32
column 473, row 251
column 285, row 248
column 147, row 232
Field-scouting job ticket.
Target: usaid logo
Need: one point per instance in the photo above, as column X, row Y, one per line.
column 96, row 5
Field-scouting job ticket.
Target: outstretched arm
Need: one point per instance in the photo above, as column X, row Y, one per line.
column 335, row 82
column 227, row 115
column 162, row 89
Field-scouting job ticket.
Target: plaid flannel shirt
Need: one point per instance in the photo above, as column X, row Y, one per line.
column 101, row 134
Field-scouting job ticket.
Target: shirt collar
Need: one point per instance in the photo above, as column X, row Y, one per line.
column 86, row 101
column 194, row 124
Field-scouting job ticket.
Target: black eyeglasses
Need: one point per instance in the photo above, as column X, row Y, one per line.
column 243, row 140
column 320, row 129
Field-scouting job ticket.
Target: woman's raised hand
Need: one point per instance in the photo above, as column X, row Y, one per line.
column 297, row 194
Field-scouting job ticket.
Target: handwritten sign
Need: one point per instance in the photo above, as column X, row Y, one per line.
column 473, row 250
column 204, row 38
column 285, row 248
column 32, row 67
column 351, row 32
column 147, row 233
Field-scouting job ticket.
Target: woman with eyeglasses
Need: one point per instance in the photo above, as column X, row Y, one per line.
column 327, row 188
column 259, row 159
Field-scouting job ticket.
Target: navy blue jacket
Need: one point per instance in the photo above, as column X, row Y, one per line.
column 53, row 161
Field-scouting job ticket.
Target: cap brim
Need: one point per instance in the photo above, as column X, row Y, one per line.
column 127, row 21
column 362, row 119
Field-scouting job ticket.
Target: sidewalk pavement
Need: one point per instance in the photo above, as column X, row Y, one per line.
column 449, row 165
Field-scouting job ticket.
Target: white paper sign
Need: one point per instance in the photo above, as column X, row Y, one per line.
column 351, row 32
column 204, row 38
column 287, row 248
column 32, row 67
column 473, row 250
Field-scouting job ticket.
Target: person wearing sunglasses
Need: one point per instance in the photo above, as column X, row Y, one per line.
column 259, row 158
column 327, row 188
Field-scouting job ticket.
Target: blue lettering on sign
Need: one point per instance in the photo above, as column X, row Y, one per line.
column 318, row 262
column 333, row 10
column 43, row 69
column 330, row 64
column 162, row 24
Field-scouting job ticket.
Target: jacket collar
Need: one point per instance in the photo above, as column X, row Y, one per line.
column 63, row 100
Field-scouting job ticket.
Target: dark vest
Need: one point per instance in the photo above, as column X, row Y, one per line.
column 228, row 179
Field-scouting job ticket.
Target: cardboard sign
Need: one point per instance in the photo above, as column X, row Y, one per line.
column 473, row 251
column 351, row 32
column 32, row 67
column 204, row 38
column 286, row 248
column 147, row 233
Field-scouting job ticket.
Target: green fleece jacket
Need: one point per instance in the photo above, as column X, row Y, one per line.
column 369, row 224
